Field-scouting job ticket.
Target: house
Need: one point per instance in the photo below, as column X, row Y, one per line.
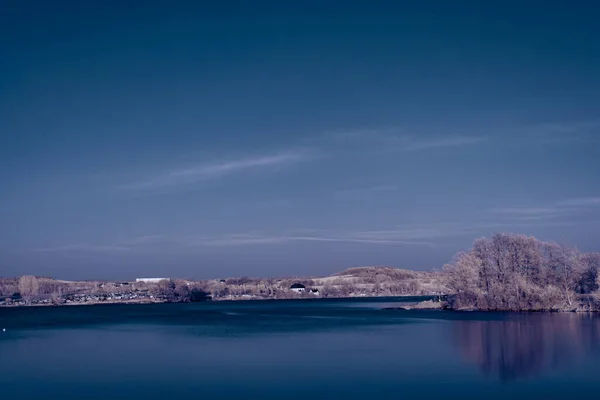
column 151, row 280
column 314, row 291
column 298, row 288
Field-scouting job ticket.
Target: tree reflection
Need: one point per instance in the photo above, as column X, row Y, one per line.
column 524, row 345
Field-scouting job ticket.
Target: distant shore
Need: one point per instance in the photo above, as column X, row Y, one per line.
column 425, row 303
column 93, row 303
column 419, row 302
column 353, row 283
column 506, row 272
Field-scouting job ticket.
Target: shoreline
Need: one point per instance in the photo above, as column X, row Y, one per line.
column 359, row 298
column 424, row 305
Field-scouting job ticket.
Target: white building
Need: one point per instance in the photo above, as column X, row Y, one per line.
column 150, row 280
column 298, row 288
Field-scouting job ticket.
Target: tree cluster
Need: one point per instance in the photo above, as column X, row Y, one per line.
column 518, row 272
column 179, row 291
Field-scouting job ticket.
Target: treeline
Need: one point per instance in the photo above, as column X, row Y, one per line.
column 360, row 281
column 38, row 290
column 179, row 291
column 387, row 281
column 518, row 272
column 29, row 287
column 256, row 288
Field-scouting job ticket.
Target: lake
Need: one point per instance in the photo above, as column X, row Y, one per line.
column 319, row 349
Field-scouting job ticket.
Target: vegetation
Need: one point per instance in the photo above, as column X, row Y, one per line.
column 504, row 272
column 179, row 291
column 518, row 272
column 363, row 281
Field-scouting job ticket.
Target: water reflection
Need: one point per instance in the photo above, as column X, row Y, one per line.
column 525, row 345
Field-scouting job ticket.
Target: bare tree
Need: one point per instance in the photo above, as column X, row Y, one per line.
column 589, row 281
column 29, row 286
column 562, row 262
column 517, row 272
column 8, row 286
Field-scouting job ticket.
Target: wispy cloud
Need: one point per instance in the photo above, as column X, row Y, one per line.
column 562, row 208
column 532, row 213
column 84, row 247
column 362, row 141
column 113, row 246
column 408, row 234
column 414, row 143
column 235, row 240
column 514, row 217
column 567, row 127
column 422, row 235
column 391, row 139
column 399, row 140
column 143, row 240
column 316, row 236
column 561, row 132
column 347, row 194
column 197, row 173
column 581, row 202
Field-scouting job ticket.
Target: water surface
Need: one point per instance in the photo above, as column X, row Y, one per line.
column 350, row 349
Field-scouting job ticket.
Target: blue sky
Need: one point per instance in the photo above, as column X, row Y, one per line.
column 261, row 138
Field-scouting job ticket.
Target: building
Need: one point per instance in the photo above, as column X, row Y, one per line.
column 298, row 288
column 150, row 280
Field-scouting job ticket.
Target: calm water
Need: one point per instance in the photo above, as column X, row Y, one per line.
column 350, row 349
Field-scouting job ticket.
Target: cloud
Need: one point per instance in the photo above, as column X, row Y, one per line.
column 236, row 240
column 409, row 234
column 567, row 127
column 84, row 247
column 424, row 235
column 116, row 246
column 562, row 132
column 562, row 208
column 258, row 239
column 350, row 239
column 413, row 143
column 398, row 140
column 341, row 135
column 395, row 140
column 143, row 240
column 532, row 213
column 581, row 202
column 347, row 194
column 525, row 210
column 194, row 174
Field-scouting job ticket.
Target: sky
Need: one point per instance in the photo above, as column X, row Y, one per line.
column 233, row 138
